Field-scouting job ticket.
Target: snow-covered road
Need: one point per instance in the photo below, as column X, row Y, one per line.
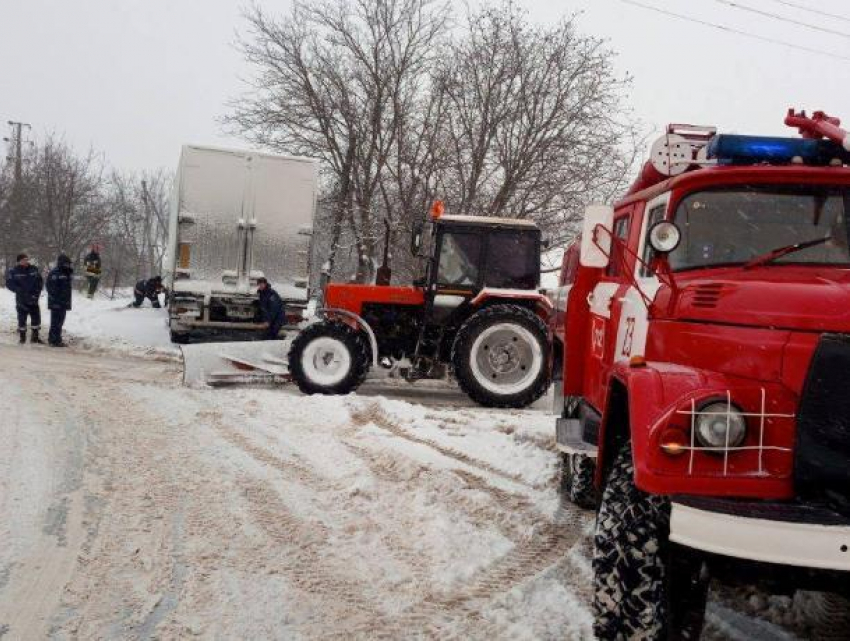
column 133, row 507
column 138, row 508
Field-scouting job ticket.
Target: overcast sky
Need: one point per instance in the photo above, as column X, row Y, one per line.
column 135, row 79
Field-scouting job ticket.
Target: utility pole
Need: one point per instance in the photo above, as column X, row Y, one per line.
column 17, row 139
column 15, row 215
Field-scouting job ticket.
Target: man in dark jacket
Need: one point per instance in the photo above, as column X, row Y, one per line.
column 59, row 282
column 26, row 282
column 150, row 289
column 274, row 313
column 93, row 269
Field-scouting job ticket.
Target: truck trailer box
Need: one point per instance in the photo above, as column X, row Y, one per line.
column 236, row 216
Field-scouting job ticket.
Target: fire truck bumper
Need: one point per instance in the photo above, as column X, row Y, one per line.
column 802, row 536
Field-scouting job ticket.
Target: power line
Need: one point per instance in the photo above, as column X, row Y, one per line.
column 773, row 16
column 738, row 32
column 810, row 10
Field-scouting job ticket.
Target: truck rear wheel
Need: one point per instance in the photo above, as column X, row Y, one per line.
column 329, row 358
column 501, row 356
column 180, row 338
column 633, row 579
column 577, row 472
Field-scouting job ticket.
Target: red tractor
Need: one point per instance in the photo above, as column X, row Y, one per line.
column 704, row 322
column 476, row 313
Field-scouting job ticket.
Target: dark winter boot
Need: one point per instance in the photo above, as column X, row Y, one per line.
column 23, row 335
column 34, row 338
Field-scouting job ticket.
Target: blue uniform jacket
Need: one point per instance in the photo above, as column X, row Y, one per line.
column 27, row 284
column 59, row 283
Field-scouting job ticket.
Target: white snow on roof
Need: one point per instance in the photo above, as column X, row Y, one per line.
column 490, row 220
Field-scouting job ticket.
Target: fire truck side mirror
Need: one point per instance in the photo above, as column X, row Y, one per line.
column 596, row 242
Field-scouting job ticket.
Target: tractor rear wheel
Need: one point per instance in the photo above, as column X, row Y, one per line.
column 501, row 356
column 329, row 358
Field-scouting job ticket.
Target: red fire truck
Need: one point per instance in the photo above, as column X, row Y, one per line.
column 704, row 323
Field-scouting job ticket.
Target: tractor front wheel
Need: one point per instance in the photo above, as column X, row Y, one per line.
column 329, row 358
column 501, row 356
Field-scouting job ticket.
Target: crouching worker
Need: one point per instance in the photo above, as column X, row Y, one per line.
column 26, row 282
column 59, row 283
column 150, row 289
column 274, row 313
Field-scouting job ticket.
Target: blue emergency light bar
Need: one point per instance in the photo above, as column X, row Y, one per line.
column 729, row 149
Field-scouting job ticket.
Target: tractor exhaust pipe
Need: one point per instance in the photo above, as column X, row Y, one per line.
column 385, row 274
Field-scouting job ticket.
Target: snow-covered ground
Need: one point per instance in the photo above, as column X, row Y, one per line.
column 133, row 507
column 103, row 324
column 136, row 507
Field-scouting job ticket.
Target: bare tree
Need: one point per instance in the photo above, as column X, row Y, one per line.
column 63, row 200
column 497, row 117
column 535, row 125
column 342, row 81
column 8, row 236
column 136, row 207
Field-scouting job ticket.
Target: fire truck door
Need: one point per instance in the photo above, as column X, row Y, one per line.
column 605, row 311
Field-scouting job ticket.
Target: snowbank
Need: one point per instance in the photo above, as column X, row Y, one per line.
column 102, row 324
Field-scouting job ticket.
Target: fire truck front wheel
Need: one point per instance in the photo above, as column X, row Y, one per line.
column 634, row 574
column 501, row 356
column 329, row 358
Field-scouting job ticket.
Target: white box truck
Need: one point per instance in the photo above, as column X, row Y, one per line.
column 236, row 216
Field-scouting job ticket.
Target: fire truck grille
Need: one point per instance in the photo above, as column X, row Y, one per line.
column 822, row 452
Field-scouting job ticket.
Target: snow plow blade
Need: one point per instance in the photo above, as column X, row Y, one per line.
column 235, row 363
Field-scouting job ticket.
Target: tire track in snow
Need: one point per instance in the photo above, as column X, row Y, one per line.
column 313, row 567
column 434, row 613
column 347, row 603
column 547, row 547
column 373, row 413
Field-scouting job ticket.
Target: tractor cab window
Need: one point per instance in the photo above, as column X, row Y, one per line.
column 512, row 260
column 459, row 259
column 735, row 226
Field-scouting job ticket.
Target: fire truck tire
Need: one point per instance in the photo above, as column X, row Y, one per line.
column 577, row 472
column 632, row 579
column 329, row 358
column 829, row 614
column 500, row 356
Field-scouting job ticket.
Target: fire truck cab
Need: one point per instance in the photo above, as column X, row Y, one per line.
column 705, row 327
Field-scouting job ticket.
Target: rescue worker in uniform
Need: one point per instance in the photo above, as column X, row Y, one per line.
column 150, row 289
column 26, row 282
column 93, row 269
column 59, row 282
column 271, row 304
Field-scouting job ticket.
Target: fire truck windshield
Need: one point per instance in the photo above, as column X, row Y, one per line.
column 737, row 225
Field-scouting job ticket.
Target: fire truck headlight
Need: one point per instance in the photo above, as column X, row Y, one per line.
column 720, row 425
column 664, row 237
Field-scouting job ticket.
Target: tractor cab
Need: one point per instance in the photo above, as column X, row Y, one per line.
column 470, row 254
